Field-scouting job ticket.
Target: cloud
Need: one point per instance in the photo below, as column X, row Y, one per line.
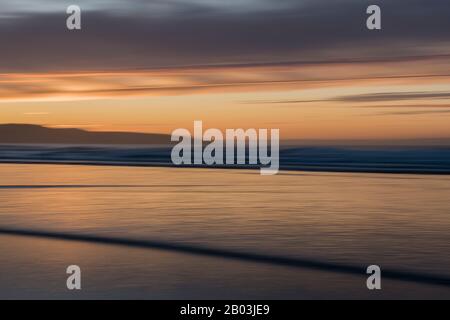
column 81, row 85
column 393, row 96
column 412, row 113
column 369, row 97
column 148, row 34
column 147, row 7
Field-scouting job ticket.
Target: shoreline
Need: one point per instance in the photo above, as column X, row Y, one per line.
column 305, row 168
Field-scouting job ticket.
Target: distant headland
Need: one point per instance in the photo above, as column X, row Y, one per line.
column 36, row 134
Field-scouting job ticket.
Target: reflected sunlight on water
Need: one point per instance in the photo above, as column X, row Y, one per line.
column 398, row 221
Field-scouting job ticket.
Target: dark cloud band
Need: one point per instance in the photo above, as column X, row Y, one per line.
column 199, row 33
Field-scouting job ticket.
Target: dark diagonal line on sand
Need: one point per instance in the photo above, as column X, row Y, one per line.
column 393, row 274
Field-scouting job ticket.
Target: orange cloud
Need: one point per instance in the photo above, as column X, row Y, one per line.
column 234, row 78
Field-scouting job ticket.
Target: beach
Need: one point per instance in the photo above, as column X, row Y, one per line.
column 399, row 222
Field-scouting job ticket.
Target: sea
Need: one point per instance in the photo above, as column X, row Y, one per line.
column 140, row 232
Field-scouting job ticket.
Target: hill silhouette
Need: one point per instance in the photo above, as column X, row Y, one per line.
column 36, row 134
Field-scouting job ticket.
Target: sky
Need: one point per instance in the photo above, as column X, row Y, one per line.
column 309, row 68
